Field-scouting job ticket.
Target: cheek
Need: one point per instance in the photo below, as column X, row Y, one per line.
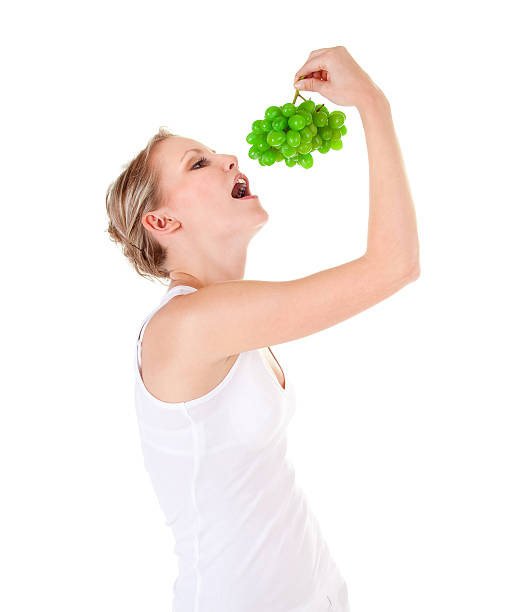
column 209, row 207
column 202, row 212
column 203, row 192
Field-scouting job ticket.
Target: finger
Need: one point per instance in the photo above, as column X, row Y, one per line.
column 311, row 84
column 313, row 53
column 313, row 65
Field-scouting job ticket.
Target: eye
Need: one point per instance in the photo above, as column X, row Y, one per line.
column 201, row 161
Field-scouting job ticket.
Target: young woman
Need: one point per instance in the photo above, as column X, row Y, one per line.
column 212, row 402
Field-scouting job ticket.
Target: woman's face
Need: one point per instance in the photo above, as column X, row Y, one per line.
column 196, row 185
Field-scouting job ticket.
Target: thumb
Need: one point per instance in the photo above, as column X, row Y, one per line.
column 310, row 84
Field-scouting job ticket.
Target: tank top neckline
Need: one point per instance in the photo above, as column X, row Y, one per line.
column 169, row 291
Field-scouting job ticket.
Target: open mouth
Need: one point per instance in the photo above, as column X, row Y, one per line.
column 240, row 189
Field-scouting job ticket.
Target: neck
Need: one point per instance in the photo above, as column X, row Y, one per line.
column 224, row 268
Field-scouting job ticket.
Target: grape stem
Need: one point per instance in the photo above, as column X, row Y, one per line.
column 297, row 95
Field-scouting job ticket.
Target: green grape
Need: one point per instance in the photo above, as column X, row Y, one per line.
column 279, row 156
column 306, row 134
column 272, row 112
column 306, row 161
column 336, row 119
column 276, row 138
column 296, row 122
column 312, row 128
column 343, row 130
column 280, row 124
column 336, row 143
column 293, row 137
column 319, row 119
column 287, row 150
column 254, row 153
column 269, row 157
column 288, row 109
column 262, row 146
column 304, row 147
column 325, row 147
column 308, row 105
column 307, row 116
column 336, row 133
column 257, row 127
column 290, row 162
column 317, row 141
column 325, row 132
column 259, row 138
column 266, row 125
column 251, row 137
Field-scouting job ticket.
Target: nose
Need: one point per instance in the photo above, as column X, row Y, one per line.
column 233, row 162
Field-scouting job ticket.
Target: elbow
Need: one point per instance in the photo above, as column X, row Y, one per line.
column 408, row 271
column 414, row 271
column 410, row 266
column 404, row 267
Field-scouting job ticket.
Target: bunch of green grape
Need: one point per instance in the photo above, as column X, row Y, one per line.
column 291, row 133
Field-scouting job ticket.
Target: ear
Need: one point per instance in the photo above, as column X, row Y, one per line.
column 159, row 222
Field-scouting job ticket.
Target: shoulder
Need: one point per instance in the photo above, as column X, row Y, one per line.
column 173, row 367
column 169, row 339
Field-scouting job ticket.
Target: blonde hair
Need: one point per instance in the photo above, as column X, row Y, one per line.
column 128, row 198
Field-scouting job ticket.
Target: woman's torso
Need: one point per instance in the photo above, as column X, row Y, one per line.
column 245, row 536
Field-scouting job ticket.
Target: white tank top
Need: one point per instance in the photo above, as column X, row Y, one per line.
column 245, row 537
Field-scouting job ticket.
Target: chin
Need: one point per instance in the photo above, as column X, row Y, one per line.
column 264, row 213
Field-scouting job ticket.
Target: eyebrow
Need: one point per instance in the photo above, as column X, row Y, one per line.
column 196, row 150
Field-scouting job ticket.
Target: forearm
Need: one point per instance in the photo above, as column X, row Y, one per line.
column 392, row 226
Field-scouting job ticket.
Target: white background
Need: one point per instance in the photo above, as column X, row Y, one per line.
column 400, row 435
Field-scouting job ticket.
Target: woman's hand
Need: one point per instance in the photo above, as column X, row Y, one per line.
column 333, row 73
